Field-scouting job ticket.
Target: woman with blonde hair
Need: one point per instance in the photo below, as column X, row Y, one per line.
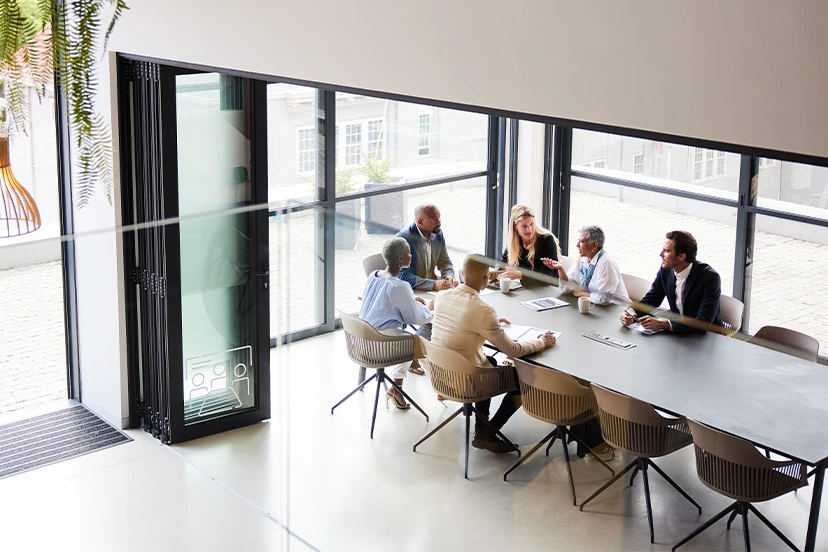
column 528, row 245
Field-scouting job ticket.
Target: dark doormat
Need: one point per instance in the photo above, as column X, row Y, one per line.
column 52, row 438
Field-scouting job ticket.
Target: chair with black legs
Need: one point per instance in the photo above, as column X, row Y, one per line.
column 556, row 398
column 456, row 379
column 371, row 349
column 637, row 428
column 733, row 467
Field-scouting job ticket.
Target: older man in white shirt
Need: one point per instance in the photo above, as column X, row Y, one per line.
column 463, row 322
column 596, row 275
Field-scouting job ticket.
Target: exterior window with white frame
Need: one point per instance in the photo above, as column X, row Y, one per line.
column 638, row 163
column 708, row 164
column 353, row 143
column 375, row 140
column 424, row 134
column 305, row 150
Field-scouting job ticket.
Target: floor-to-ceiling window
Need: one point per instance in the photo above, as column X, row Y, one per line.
column 637, row 189
column 346, row 172
column 33, row 362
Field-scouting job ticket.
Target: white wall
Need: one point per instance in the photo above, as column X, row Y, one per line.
column 739, row 71
column 101, row 329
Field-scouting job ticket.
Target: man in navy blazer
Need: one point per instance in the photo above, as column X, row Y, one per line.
column 428, row 251
column 692, row 289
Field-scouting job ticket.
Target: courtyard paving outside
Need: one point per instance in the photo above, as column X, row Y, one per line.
column 32, row 349
column 32, row 346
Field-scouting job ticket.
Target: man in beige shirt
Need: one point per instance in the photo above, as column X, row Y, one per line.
column 462, row 322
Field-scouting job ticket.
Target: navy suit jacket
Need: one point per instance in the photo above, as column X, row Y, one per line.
column 418, row 274
column 700, row 298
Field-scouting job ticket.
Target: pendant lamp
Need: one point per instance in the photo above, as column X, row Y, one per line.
column 18, row 211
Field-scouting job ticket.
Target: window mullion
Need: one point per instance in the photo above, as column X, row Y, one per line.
column 745, row 232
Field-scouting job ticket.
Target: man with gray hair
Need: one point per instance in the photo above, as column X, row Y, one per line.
column 388, row 304
column 596, row 275
column 428, row 251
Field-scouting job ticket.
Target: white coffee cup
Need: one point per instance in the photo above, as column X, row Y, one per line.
column 505, row 285
column 584, row 305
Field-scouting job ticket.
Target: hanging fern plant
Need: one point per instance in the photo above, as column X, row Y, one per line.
column 41, row 39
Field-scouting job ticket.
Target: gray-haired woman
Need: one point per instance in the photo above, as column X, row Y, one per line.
column 597, row 275
column 388, row 304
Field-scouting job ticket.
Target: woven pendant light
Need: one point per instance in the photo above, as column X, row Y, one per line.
column 18, row 211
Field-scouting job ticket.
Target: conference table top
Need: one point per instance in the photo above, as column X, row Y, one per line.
column 764, row 396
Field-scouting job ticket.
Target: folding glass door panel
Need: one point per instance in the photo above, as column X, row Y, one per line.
column 222, row 253
column 194, row 175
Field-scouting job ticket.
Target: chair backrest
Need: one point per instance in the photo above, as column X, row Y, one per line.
column 637, row 287
column 635, row 426
column 457, row 379
column 788, row 341
column 372, row 349
column 732, row 310
column 735, row 468
column 372, row 263
column 568, row 261
column 553, row 396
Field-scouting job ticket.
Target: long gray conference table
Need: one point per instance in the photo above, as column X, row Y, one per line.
column 767, row 397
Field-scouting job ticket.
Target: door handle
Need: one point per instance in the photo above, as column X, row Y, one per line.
column 264, row 274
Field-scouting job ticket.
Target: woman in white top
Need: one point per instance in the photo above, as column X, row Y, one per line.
column 388, row 304
column 596, row 275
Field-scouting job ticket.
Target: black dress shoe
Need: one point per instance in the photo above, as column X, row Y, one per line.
column 491, row 442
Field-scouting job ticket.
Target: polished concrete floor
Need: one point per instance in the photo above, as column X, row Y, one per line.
column 309, row 480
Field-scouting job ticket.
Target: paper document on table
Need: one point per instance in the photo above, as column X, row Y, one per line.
column 641, row 329
column 545, row 304
column 516, row 332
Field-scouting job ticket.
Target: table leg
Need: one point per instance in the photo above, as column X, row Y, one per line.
column 816, row 499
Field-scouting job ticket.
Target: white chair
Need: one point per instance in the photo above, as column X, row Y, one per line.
column 637, row 287
column 732, row 310
column 371, row 349
column 457, row 379
column 567, row 261
column 372, row 263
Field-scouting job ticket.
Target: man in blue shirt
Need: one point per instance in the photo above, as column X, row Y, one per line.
column 428, row 252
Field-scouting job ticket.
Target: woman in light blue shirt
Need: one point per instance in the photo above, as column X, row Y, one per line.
column 388, row 304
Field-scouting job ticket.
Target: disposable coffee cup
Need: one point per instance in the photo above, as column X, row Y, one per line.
column 584, row 305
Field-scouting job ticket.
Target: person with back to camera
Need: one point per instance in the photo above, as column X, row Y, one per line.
column 463, row 322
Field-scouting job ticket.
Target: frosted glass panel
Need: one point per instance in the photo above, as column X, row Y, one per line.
column 216, row 275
